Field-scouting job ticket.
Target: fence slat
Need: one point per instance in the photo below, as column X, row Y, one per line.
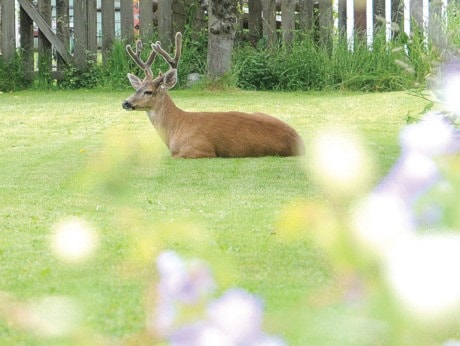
column 45, row 29
column 44, row 46
column 8, row 38
column 146, row 20
column 27, row 43
column 62, row 27
column 287, row 21
column 81, row 38
column 269, row 21
column 92, row 27
column 108, row 27
column 164, row 23
column 127, row 21
column 306, row 15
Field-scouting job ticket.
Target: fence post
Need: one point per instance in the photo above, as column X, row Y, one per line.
column 306, row 15
column 44, row 46
column 325, row 21
column 255, row 21
column 26, row 25
column 164, row 23
column 108, row 27
column 62, row 28
column 8, row 38
column 269, row 21
column 127, row 21
column 287, row 21
column 146, row 20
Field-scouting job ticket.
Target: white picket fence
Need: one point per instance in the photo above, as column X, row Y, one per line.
column 407, row 18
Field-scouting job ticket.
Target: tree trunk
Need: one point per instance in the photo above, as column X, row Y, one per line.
column 221, row 27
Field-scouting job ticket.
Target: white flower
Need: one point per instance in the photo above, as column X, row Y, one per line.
column 339, row 161
column 74, row 240
column 381, row 220
column 423, row 274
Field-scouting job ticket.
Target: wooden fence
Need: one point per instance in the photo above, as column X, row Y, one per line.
column 70, row 30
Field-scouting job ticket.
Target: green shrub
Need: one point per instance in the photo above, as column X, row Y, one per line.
column 308, row 65
column 12, row 75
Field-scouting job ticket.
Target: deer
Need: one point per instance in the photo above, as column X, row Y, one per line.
column 203, row 134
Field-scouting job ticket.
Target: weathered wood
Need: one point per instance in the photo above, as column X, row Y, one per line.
column 255, row 21
column 306, row 15
column 146, row 20
column 92, row 27
column 127, row 21
column 287, row 21
column 80, row 11
column 325, row 21
column 181, row 12
column 45, row 29
column 27, row 43
column 164, row 23
column 269, row 21
column 44, row 46
column 62, row 27
column 8, row 38
column 108, row 27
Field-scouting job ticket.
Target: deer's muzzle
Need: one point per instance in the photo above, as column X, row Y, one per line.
column 127, row 105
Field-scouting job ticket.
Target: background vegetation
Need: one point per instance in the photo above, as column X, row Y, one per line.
column 307, row 64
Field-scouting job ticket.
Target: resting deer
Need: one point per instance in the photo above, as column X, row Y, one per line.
column 204, row 134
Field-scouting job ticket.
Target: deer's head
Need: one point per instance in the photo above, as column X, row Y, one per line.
column 150, row 89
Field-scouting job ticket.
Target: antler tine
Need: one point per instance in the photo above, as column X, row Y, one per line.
column 136, row 56
column 173, row 62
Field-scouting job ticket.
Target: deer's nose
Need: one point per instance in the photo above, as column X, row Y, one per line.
column 126, row 105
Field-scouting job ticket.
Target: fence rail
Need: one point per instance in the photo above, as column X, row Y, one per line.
column 69, row 30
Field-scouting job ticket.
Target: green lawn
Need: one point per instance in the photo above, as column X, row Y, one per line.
column 79, row 154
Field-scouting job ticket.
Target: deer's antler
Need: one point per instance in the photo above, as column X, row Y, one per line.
column 173, row 62
column 136, row 56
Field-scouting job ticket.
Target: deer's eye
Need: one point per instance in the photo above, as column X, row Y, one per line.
column 148, row 92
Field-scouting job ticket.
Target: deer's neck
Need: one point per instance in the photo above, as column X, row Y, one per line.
column 164, row 116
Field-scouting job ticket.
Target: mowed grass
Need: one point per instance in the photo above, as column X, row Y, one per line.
column 78, row 154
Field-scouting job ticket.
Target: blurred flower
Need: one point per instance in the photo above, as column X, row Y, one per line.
column 434, row 135
column 423, row 273
column 73, row 240
column 238, row 314
column 380, row 221
column 450, row 85
column 339, row 161
column 56, row 316
column 421, row 144
column 233, row 319
column 186, row 282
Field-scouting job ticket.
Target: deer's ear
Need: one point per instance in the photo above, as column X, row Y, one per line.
column 135, row 81
column 169, row 79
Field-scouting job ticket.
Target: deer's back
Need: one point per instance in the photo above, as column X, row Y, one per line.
column 235, row 134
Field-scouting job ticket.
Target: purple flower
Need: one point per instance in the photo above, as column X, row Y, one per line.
column 184, row 282
column 234, row 319
column 433, row 136
column 421, row 144
column 238, row 314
